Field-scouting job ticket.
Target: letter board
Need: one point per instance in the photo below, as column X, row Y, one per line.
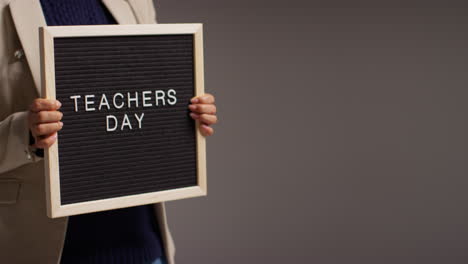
column 128, row 138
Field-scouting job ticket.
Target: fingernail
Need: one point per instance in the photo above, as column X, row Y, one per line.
column 194, row 100
column 58, row 103
column 193, row 115
column 192, row 107
column 61, row 124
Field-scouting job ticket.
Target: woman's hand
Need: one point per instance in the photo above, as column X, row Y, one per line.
column 204, row 110
column 44, row 121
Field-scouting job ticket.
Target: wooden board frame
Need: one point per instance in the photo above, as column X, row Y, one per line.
column 52, row 180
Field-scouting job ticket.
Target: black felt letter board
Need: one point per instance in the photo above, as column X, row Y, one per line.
column 104, row 157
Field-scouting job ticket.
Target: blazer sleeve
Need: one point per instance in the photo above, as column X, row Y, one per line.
column 15, row 150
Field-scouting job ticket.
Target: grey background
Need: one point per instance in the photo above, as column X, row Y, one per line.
column 342, row 134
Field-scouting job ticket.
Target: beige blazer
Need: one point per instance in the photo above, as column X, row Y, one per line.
column 27, row 235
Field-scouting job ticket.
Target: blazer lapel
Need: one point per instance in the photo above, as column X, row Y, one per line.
column 121, row 10
column 28, row 17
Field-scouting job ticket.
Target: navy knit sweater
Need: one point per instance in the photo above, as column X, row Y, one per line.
column 125, row 235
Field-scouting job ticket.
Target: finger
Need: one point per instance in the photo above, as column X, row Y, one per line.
column 203, row 99
column 46, row 128
column 203, row 108
column 194, row 115
column 45, row 141
column 45, row 117
column 206, row 130
column 41, row 104
column 208, row 119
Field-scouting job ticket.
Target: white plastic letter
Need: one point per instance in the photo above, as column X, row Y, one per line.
column 115, row 104
column 108, row 128
column 104, row 102
column 75, row 97
column 139, row 119
column 134, row 99
column 160, row 92
column 146, row 98
column 171, row 94
column 89, row 102
column 126, row 122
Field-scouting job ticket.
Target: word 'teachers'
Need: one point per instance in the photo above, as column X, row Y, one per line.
column 129, row 100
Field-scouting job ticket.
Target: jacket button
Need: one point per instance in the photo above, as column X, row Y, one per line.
column 28, row 154
column 19, row 54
